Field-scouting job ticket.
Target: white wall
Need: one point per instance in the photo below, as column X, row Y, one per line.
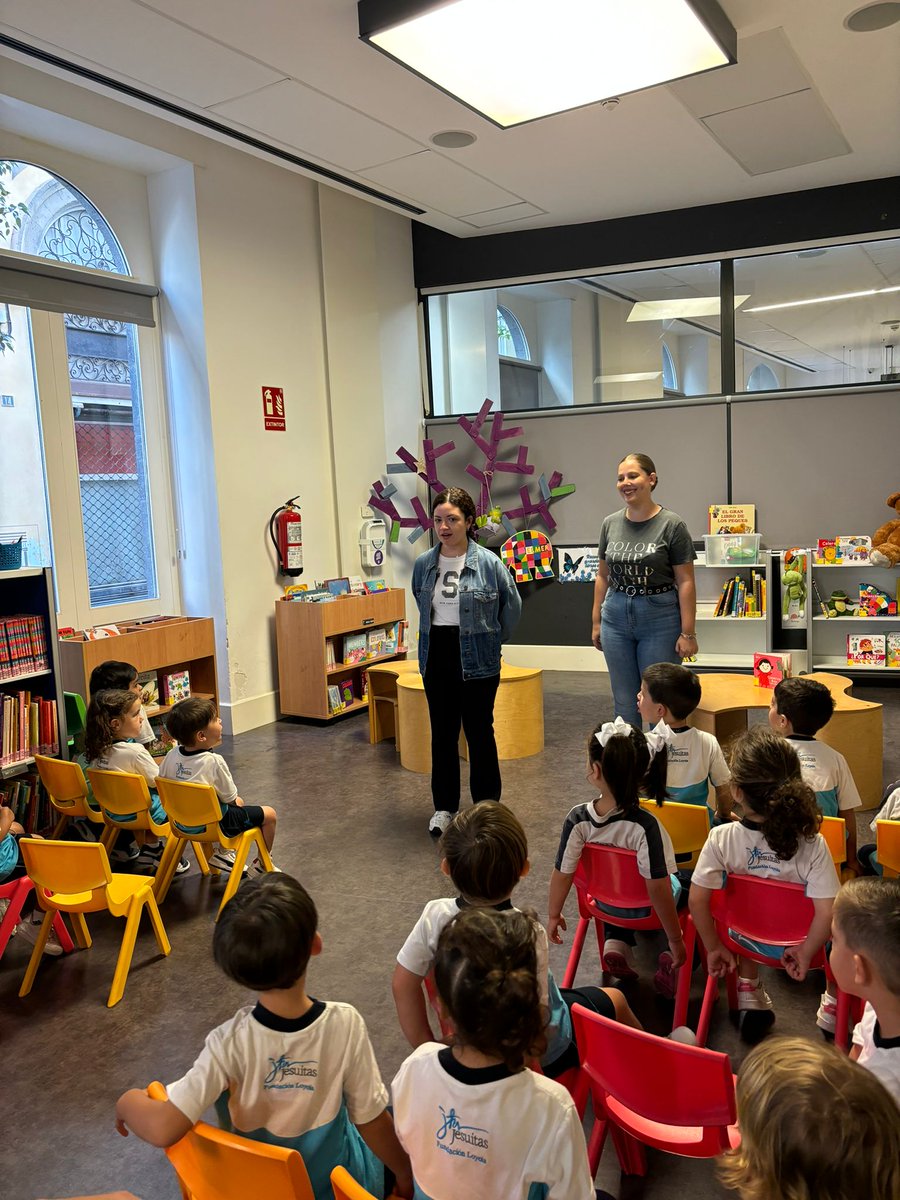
column 256, row 261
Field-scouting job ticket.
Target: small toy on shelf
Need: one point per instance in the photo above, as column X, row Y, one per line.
column 840, row 605
column 793, row 587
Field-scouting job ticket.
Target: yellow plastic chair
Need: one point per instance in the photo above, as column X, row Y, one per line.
column 887, row 842
column 123, row 793
column 345, row 1187
column 686, row 824
column 68, row 791
column 75, row 878
column 212, row 1164
column 196, row 805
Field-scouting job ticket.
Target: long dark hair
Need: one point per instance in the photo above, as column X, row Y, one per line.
column 766, row 768
column 104, row 708
column 629, row 768
column 485, row 971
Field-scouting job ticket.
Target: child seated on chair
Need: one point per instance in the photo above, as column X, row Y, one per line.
column 777, row 837
column 865, row 962
column 485, row 854
column 288, row 1070
column 622, row 763
column 813, row 1127
column 670, row 693
column 123, row 677
column 12, row 866
column 477, row 1124
column 799, row 709
column 197, row 728
column 110, row 733
column 889, row 811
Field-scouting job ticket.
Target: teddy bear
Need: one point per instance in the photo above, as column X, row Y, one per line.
column 886, row 540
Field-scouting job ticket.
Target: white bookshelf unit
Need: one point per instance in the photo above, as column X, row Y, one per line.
column 826, row 637
column 729, row 643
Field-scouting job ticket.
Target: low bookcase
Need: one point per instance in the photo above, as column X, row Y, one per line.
column 303, row 631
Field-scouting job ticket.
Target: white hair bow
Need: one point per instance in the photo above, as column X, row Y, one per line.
column 611, row 729
column 659, row 737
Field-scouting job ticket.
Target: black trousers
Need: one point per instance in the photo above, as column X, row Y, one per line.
column 454, row 701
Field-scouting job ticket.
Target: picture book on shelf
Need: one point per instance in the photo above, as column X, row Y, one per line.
column 770, row 669
column 101, row 631
column 356, row 648
column 828, row 553
column 732, row 518
column 149, row 684
column 174, row 686
column 335, row 703
column 375, row 585
column 346, row 689
column 854, row 548
column 874, row 602
column 892, row 649
column 865, row 650
column 391, row 640
column 377, row 639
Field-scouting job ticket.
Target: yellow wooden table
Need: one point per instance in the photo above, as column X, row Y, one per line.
column 518, row 717
column 855, row 730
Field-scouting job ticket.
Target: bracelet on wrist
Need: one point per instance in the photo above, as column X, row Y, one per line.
column 691, row 637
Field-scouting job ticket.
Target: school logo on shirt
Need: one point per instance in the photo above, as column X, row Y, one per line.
column 182, row 772
column 471, row 1137
column 759, row 859
column 286, row 1074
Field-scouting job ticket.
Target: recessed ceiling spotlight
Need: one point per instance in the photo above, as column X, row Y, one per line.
column 872, row 17
column 811, row 253
column 453, row 139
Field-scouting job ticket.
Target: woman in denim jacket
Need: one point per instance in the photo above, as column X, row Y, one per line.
column 468, row 605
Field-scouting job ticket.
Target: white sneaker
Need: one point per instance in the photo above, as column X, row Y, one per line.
column 256, row 868
column 755, row 1015
column 618, row 959
column 682, row 1034
column 29, row 930
column 439, row 822
column 826, row 1017
column 222, row 860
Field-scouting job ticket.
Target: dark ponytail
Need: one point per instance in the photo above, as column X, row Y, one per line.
column 767, row 770
column 485, row 971
column 628, row 766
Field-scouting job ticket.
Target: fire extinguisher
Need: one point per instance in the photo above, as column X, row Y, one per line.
column 287, row 537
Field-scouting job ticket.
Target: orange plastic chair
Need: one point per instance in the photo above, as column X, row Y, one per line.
column 764, row 910
column 345, row 1187
column 75, row 877
column 125, row 794
column 67, row 790
column 608, row 875
column 193, row 806
column 16, row 892
column 834, row 831
column 212, row 1164
column 649, row 1091
column 887, row 842
column 687, row 825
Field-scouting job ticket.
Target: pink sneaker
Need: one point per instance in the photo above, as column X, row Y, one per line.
column 666, row 978
column 618, row 959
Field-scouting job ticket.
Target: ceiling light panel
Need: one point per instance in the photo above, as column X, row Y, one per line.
column 518, row 62
column 675, row 310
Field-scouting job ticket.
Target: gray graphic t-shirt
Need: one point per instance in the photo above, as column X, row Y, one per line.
column 641, row 554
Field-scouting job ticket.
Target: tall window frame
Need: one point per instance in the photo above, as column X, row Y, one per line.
column 54, row 375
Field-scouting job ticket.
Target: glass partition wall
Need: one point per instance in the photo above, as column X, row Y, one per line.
column 823, row 317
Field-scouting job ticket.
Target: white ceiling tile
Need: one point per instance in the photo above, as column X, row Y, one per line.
column 502, row 216
column 774, row 134
column 140, row 45
column 766, row 67
column 298, row 116
column 436, row 182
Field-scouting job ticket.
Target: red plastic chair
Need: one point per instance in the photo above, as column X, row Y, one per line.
column 764, row 910
column 649, row 1091
column 608, row 875
column 16, row 892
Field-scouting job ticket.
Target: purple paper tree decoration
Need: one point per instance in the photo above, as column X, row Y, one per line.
column 426, row 469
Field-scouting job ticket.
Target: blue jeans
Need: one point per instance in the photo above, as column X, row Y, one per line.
column 637, row 631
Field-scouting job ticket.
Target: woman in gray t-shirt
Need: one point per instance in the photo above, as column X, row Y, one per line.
column 644, row 597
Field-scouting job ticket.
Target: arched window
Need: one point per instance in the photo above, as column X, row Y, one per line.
column 511, row 339
column 669, row 374
column 43, row 215
column 762, row 379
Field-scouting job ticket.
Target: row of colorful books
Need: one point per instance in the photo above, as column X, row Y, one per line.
column 740, row 599
column 367, row 644
column 29, row 725
column 873, row 650
column 29, row 802
column 23, row 646
column 161, row 688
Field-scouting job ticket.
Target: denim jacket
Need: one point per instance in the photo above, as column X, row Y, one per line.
column 489, row 608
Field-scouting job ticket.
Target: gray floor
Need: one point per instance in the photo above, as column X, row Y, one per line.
column 352, row 828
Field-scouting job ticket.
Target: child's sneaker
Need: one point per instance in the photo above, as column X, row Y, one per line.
column 666, row 978
column 150, row 857
column 618, row 959
column 4, row 905
column 682, row 1034
column 29, row 930
column 826, row 1017
column 755, row 1015
column 222, row 860
column 256, row 868
column 125, row 854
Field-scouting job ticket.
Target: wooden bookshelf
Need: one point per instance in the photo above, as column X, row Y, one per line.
column 178, row 644
column 303, row 629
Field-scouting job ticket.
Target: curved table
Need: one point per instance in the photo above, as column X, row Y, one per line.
column 855, row 730
column 518, row 718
